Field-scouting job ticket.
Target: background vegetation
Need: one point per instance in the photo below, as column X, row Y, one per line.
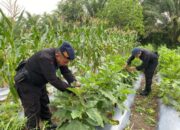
column 103, row 32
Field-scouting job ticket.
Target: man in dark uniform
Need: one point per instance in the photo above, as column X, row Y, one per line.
column 34, row 74
column 149, row 64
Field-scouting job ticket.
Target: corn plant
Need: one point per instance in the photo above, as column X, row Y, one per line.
column 22, row 38
column 9, row 118
column 8, row 49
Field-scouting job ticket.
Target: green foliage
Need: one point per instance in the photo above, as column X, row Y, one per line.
column 170, row 72
column 79, row 10
column 95, row 100
column 35, row 33
column 161, row 19
column 7, row 47
column 90, row 106
column 71, row 10
column 1, row 58
column 149, row 47
column 98, row 42
column 9, row 118
column 94, row 6
column 167, row 69
column 75, row 125
column 126, row 14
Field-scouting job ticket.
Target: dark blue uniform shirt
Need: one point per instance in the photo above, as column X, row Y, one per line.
column 42, row 68
column 146, row 57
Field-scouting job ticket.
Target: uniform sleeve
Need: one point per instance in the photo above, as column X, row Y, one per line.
column 144, row 63
column 48, row 69
column 130, row 59
column 67, row 74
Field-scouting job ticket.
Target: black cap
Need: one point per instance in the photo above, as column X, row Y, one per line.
column 66, row 47
column 136, row 51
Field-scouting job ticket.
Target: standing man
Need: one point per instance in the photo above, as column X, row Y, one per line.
column 148, row 66
column 32, row 77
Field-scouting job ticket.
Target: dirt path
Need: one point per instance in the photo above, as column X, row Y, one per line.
column 144, row 111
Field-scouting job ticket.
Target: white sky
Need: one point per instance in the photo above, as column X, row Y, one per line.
column 36, row 6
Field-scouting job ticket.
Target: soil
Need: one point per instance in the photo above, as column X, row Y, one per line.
column 144, row 111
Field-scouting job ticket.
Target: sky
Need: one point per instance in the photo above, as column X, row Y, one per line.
column 35, row 6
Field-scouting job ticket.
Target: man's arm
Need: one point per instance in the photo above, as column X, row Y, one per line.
column 144, row 64
column 130, row 59
column 48, row 69
column 67, row 74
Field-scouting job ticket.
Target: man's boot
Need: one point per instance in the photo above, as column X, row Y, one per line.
column 51, row 125
column 144, row 93
column 147, row 89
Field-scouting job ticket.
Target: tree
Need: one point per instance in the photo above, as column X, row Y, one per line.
column 126, row 14
column 79, row 10
column 162, row 19
column 94, row 6
column 71, row 10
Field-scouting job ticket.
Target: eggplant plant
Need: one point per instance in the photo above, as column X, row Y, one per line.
column 93, row 104
column 169, row 68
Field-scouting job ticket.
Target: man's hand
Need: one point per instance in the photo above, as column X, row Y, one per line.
column 76, row 84
column 131, row 69
column 126, row 66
